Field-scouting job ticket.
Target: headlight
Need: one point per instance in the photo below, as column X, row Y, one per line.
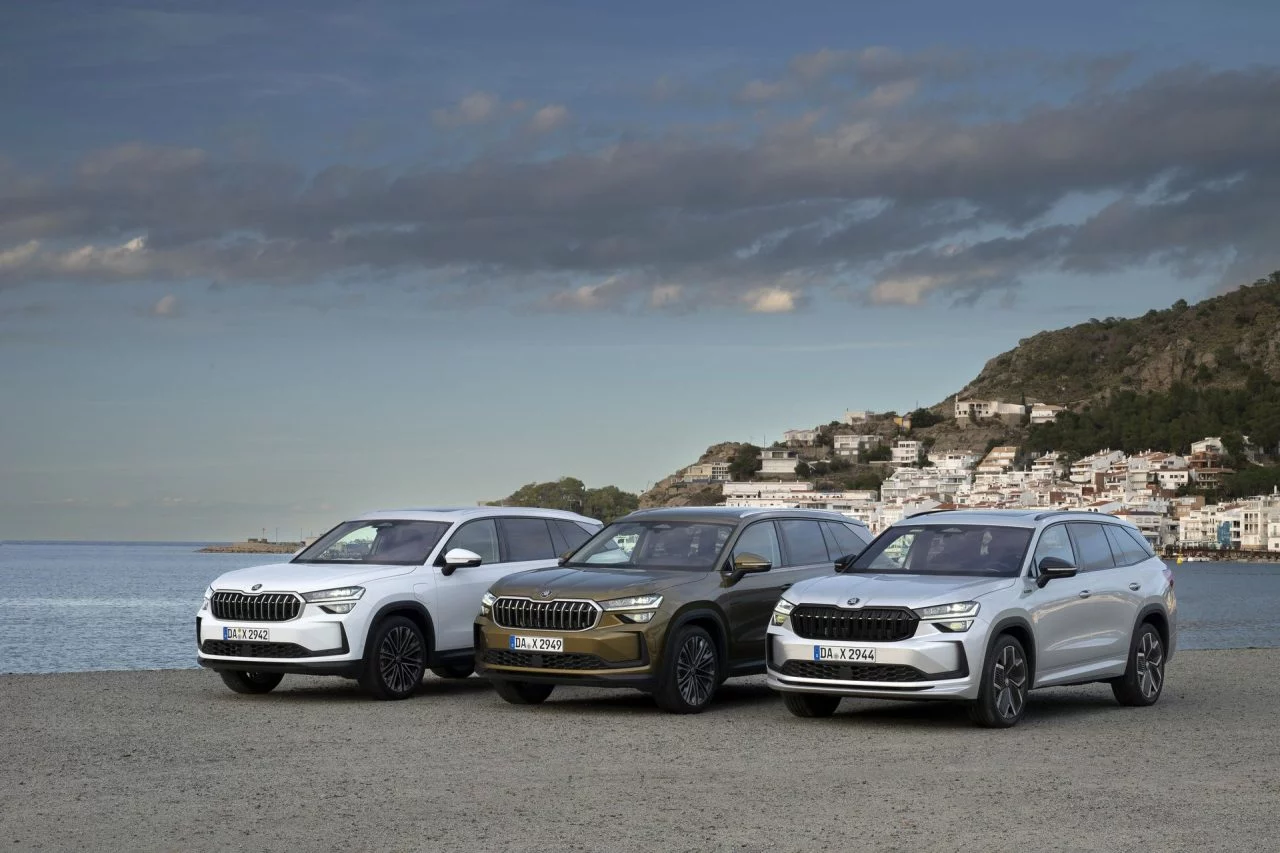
column 633, row 602
column 208, row 594
column 486, row 603
column 342, row 593
column 954, row 627
column 949, row 611
column 781, row 611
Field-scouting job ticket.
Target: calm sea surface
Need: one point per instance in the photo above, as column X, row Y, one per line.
column 95, row 606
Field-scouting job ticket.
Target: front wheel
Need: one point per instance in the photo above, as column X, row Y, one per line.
column 396, row 659
column 455, row 671
column 1006, row 678
column 1143, row 678
column 690, row 672
column 251, row 682
column 810, row 704
column 523, row 692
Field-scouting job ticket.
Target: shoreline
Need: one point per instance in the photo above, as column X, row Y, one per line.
column 170, row 759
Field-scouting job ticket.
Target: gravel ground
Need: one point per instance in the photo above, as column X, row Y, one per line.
column 174, row 761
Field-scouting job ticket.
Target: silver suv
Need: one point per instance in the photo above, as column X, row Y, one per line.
column 979, row 606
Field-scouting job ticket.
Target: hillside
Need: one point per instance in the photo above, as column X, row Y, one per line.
column 1221, row 342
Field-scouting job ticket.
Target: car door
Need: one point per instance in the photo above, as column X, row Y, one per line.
column 1107, row 617
column 1058, row 610
column 748, row 601
column 458, row 593
column 1131, row 576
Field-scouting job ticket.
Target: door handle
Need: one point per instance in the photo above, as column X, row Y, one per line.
column 1135, row 586
column 1084, row 593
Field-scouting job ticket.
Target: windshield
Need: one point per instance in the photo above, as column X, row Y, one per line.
column 693, row 546
column 384, row 542
column 953, row 549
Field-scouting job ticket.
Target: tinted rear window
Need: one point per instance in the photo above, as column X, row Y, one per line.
column 1126, row 550
column 1141, row 540
column 572, row 533
column 1092, row 548
column 526, row 539
column 805, row 545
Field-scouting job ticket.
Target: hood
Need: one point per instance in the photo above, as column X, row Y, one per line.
column 305, row 577
column 894, row 590
column 597, row 584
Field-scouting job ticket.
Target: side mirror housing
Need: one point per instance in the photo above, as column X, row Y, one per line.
column 843, row 563
column 564, row 558
column 747, row 563
column 1051, row 568
column 459, row 558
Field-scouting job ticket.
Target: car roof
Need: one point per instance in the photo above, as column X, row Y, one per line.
column 1028, row 518
column 734, row 513
column 463, row 513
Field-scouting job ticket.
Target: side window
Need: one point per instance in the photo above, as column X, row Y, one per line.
column 572, row 534
column 762, row 540
column 526, row 539
column 1126, row 550
column 478, row 536
column 805, row 545
column 1054, row 542
column 842, row 539
column 1091, row 546
column 1143, row 544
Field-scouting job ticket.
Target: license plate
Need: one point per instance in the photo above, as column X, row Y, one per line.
column 259, row 634
column 844, row 654
column 537, row 644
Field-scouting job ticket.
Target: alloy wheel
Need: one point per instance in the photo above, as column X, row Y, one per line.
column 400, row 659
column 1010, row 681
column 696, row 670
column 1150, row 665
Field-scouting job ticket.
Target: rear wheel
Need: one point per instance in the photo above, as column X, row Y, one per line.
column 455, row 671
column 523, row 692
column 1143, row 678
column 1006, row 678
column 395, row 660
column 251, row 682
column 690, row 672
column 810, row 704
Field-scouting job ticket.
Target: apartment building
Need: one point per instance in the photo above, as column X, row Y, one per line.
column 800, row 437
column 907, row 452
column 706, row 472
column 855, row 445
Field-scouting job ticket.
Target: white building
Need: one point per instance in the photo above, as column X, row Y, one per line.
column 968, row 411
column 953, row 461
column 1084, row 470
column 765, row 490
column 1043, row 413
column 1050, row 465
column 706, row 472
column 998, row 461
column 1208, row 445
column 776, row 462
column 857, row 416
column 854, row 445
column 907, row 452
column 800, row 436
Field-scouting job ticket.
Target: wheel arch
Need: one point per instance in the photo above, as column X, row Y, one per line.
column 416, row 613
column 710, row 620
column 1020, row 628
column 1155, row 614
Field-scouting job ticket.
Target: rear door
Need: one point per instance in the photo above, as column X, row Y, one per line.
column 1132, row 575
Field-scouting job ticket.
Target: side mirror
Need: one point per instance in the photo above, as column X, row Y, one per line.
column 459, row 558
column 843, row 563
column 747, row 563
column 564, row 558
column 1054, row 567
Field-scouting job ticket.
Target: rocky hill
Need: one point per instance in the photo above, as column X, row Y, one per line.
column 1221, row 342
column 670, row 491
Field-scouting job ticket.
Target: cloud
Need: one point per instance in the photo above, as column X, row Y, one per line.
column 475, row 108
column 902, row 206
column 759, row 91
column 549, row 118
column 166, row 306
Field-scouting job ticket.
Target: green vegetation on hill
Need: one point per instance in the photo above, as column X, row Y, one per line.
column 1168, row 420
column 1224, row 342
column 571, row 494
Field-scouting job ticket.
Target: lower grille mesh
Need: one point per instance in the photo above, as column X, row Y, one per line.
column 540, row 660
column 229, row 648
column 853, row 671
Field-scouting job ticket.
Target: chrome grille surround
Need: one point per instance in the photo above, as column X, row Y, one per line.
column 562, row 614
column 233, row 606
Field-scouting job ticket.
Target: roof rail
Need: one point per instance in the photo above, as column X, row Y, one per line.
column 926, row 512
column 1041, row 516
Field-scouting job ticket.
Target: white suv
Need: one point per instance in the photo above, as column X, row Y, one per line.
column 981, row 606
column 380, row 598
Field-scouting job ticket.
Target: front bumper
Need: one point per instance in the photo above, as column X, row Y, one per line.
column 932, row 665
column 312, row 644
column 613, row 654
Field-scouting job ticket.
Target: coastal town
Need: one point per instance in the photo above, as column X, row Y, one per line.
column 1161, row 493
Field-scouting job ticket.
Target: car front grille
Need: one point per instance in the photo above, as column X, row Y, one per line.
column 853, row 671
column 232, row 649
column 266, row 607
column 870, row 625
column 541, row 660
column 545, row 615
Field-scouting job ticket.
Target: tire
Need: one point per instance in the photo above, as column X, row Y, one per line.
column 1006, row 679
column 810, row 704
column 1143, row 679
column 690, row 672
column 251, row 682
column 463, row 670
column 523, row 692
column 395, row 659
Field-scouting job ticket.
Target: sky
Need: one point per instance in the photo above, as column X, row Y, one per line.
column 266, row 265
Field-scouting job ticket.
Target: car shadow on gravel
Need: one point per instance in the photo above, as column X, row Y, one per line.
column 938, row 714
column 729, row 697
column 312, row 689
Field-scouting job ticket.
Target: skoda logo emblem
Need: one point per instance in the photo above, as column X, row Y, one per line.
column 255, row 587
column 546, row 593
column 853, row 602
